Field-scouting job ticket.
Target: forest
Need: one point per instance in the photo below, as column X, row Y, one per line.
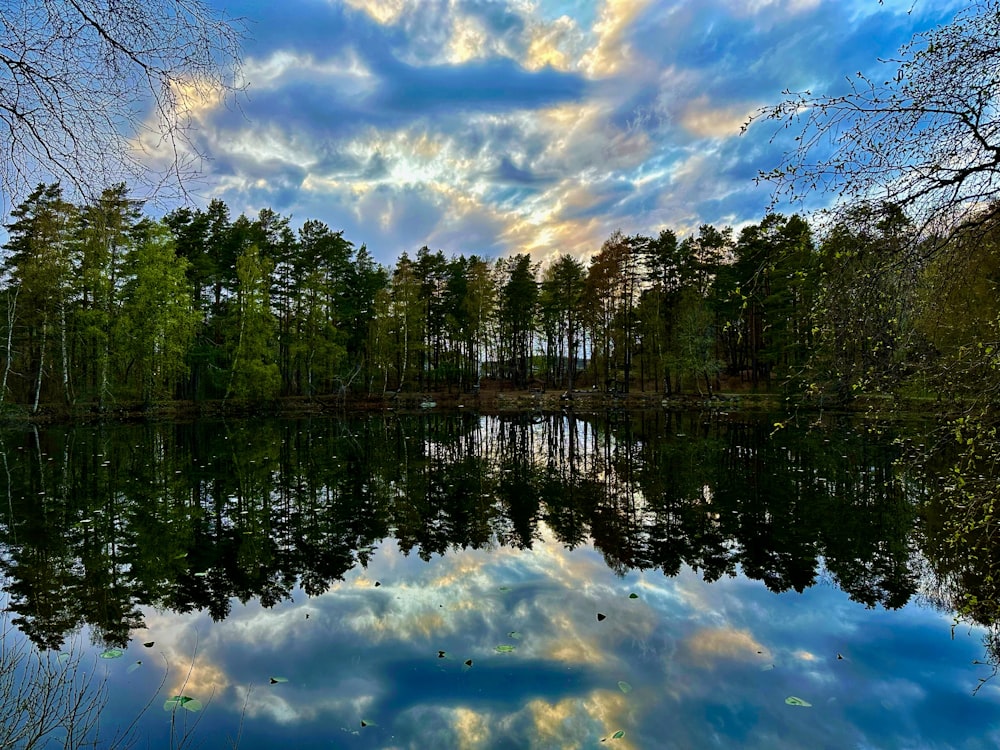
column 103, row 306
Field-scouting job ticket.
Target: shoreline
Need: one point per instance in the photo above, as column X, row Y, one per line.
column 483, row 402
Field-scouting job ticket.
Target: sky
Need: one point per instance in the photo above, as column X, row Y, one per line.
column 507, row 126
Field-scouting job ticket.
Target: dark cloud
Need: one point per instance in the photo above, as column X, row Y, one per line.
column 509, row 173
column 333, row 162
column 491, row 86
column 376, row 168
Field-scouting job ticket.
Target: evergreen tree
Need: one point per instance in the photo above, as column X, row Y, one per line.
column 39, row 269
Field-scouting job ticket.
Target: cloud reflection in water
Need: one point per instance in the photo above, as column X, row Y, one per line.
column 709, row 665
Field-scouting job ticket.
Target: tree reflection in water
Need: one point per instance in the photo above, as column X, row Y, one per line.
column 102, row 521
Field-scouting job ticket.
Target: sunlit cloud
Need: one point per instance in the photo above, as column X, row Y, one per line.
column 471, row 728
column 579, row 722
column 709, row 646
column 384, row 11
column 521, row 125
column 612, row 53
column 557, row 45
column 703, row 120
column 469, row 41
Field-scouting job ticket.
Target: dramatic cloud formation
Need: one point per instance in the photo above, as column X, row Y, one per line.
column 499, row 126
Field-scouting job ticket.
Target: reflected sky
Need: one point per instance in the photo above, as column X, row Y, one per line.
column 683, row 664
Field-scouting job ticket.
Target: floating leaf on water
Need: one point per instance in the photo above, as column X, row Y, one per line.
column 767, row 668
column 112, row 653
column 276, row 680
column 839, row 656
column 618, row 735
column 63, row 658
column 149, row 644
column 791, row 700
column 180, row 555
column 377, row 584
column 624, row 687
column 514, row 634
column 468, row 662
column 633, row 595
column 504, row 649
column 134, row 666
column 601, row 617
column 442, row 655
column 191, row 704
column 367, row 723
column 203, row 573
column 504, row 588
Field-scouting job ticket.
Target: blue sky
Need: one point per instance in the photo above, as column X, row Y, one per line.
column 541, row 126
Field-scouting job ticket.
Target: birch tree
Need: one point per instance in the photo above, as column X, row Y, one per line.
column 39, row 269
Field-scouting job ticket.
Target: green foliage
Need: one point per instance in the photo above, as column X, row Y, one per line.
column 158, row 318
column 103, row 306
column 254, row 373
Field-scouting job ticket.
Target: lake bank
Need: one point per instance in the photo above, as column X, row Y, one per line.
column 485, row 401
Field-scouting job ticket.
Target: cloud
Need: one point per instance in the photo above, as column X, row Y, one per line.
column 504, row 126
column 708, row 646
column 612, row 53
column 703, row 120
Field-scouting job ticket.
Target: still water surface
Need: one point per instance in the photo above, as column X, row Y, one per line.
column 633, row 581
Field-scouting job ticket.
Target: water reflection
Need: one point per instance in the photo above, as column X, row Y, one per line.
column 653, row 574
column 192, row 517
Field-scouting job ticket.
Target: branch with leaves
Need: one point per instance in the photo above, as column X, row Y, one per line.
column 925, row 136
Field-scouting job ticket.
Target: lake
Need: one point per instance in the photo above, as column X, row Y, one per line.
column 630, row 580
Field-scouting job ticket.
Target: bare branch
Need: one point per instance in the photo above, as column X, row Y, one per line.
column 97, row 92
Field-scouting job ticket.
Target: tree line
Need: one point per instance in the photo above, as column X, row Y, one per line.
column 101, row 304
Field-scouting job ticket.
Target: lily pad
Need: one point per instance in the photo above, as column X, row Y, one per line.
column 601, row 617
column 791, row 700
column 133, row 666
column 624, row 687
column 514, row 634
column 618, row 735
column 633, row 595
column 63, row 658
column 183, row 701
column 504, row 649
column 149, row 644
column 505, row 589
column 112, row 653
